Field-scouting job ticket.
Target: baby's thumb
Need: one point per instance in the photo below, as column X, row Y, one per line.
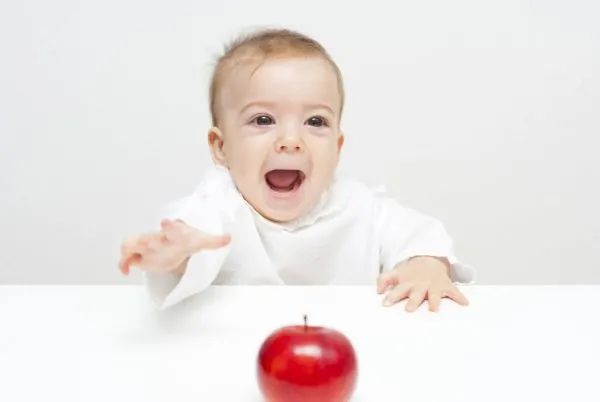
column 211, row 242
column 385, row 280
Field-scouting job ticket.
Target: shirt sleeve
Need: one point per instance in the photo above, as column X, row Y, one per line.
column 404, row 233
column 202, row 269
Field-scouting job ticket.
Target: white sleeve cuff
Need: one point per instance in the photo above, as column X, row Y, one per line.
column 159, row 285
column 461, row 273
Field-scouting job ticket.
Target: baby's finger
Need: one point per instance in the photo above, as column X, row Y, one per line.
column 132, row 245
column 385, row 280
column 417, row 296
column 400, row 292
column 124, row 265
column 174, row 230
column 169, row 228
column 456, row 295
column 127, row 261
column 434, row 298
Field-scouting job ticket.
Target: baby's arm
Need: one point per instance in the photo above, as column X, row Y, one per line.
column 405, row 233
column 198, row 271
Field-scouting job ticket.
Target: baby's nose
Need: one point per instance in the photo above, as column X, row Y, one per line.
column 290, row 144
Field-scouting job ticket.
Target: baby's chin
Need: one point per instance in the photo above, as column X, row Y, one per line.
column 282, row 213
column 286, row 210
column 280, row 217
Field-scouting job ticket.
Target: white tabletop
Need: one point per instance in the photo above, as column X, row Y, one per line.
column 108, row 343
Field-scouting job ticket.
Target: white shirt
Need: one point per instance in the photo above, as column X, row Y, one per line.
column 349, row 238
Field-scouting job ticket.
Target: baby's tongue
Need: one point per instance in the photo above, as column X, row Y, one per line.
column 282, row 179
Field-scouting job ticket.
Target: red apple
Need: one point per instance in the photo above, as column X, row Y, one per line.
column 305, row 363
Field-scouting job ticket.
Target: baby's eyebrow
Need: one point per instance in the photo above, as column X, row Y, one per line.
column 259, row 104
column 321, row 106
column 266, row 104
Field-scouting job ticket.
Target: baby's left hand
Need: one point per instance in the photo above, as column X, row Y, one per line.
column 418, row 279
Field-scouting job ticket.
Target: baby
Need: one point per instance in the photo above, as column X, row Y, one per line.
column 272, row 211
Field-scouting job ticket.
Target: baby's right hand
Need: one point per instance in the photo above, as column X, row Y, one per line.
column 167, row 250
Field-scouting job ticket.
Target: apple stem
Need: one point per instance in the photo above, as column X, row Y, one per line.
column 305, row 321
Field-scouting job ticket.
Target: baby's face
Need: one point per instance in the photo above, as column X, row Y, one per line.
column 281, row 134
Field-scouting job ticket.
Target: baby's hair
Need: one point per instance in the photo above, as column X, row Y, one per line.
column 262, row 45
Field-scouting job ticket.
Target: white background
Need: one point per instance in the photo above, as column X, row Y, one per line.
column 485, row 114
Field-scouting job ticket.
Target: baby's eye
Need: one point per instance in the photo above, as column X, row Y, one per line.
column 262, row 120
column 316, row 121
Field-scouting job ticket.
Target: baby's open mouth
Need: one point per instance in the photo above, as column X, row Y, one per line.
column 284, row 181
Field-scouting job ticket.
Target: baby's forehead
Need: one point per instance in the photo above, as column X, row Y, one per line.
column 256, row 68
column 283, row 77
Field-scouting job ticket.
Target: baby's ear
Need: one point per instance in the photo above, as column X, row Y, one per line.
column 215, row 143
column 340, row 141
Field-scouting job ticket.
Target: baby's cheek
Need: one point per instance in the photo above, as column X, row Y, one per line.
column 327, row 160
column 244, row 159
